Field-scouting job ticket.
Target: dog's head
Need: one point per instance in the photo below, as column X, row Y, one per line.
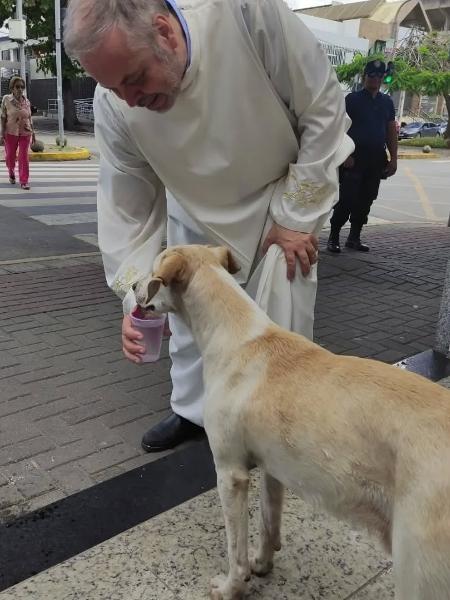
column 173, row 271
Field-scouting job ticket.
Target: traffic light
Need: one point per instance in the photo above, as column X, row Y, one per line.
column 389, row 74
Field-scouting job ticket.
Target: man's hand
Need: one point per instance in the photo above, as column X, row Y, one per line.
column 304, row 246
column 130, row 347
column 391, row 168
column 349, row 163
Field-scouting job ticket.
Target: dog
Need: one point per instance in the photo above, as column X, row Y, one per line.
column 365, row 441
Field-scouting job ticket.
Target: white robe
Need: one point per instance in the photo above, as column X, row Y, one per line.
column 257, row 133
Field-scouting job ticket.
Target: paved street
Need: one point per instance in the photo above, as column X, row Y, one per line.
column 418, row 193
column 63, row 194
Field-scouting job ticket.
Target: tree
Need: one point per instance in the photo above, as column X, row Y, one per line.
column 40, row 15
column 422, row 66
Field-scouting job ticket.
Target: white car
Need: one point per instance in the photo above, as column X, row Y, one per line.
column 442, row 128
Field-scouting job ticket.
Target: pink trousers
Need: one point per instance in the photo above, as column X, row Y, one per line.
column 11, row 144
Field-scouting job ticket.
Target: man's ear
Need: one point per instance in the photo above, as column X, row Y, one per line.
column 226, row 259
column 171, row 270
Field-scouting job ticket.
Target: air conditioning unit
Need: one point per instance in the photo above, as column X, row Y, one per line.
column 17, row 30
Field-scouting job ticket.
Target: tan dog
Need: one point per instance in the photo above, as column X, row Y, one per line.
column 369, row 442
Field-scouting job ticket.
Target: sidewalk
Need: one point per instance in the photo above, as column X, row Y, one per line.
column 73, row 410
column 47, row 130
column 120, row 524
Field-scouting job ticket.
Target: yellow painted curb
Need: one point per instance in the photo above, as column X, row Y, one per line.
column 414, row 155
column 77, row 154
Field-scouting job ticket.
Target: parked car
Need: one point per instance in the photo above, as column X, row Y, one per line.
column 414, row 130
column 442, row 128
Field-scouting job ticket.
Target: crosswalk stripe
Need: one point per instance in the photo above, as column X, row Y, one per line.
column 30, row 202
column 61, row 190
column 66, row 219
column 58, row 187
column 90, row 238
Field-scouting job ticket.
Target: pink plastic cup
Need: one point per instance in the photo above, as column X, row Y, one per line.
column 152, row 329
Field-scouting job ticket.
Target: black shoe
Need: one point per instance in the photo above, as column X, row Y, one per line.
column 333, row 246
column 356, row 245
column 168, row 433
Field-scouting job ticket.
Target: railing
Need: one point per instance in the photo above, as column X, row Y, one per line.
column 83, row 108
column 338, row 55
column 52, row 107
column 420, row 115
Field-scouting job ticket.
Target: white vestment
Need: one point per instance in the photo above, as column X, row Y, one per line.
column 256, row 134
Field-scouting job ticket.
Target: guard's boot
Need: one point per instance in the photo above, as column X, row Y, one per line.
column 356, row 245
column 354, row 241
column 333, row 242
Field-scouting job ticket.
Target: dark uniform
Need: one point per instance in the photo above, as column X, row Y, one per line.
column 358, row 186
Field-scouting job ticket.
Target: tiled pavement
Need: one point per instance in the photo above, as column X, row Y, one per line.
column 72, row 410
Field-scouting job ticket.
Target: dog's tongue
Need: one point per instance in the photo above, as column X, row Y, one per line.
column 139, row 313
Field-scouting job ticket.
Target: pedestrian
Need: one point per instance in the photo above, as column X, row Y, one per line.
column 17, row 131
column 228, row 115
column 373, row 129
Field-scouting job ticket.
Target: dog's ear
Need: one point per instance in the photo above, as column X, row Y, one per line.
column 226, row 259
column 153, row 287
column 171, row 270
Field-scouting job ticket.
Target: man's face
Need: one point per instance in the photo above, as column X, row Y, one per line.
column 141, row 77
column 373, row 80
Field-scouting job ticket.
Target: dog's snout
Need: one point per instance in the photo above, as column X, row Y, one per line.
column 151, row 307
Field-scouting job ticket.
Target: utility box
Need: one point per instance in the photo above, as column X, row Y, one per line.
column 17, row 29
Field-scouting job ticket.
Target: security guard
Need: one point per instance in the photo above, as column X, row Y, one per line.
column 373, row 129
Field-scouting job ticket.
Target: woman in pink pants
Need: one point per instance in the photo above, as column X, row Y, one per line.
column 17, row 130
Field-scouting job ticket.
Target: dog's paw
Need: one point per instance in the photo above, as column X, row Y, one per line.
column 222, row 590
column 259, row 565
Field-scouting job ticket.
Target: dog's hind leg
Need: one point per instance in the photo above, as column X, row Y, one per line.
column 233, row 485
column 269, row 526
column 421, row 554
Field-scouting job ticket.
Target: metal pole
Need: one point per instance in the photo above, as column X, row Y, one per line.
column 401, row 105
column 19, row 16
column 59, row 92
column 442, row 343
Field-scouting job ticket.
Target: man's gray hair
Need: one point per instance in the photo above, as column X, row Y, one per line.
column 87, row 21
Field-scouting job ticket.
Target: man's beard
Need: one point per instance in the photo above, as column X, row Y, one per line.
column 174, row 75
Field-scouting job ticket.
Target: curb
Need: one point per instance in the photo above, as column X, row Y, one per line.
column 414, row 155
column 77, row 154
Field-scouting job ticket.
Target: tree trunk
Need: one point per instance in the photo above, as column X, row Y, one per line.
column 71, row 121
column 447, row 104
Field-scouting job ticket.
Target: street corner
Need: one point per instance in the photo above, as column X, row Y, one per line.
column 418, row 155
column 75, row 153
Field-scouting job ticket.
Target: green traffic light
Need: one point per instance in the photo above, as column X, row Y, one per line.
column 388, row 79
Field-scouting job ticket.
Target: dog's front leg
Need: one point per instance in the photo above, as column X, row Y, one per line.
column 269, row 526
column 233, row 491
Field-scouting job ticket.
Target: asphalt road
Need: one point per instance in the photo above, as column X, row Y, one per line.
column 418, row 193
column 58, row 215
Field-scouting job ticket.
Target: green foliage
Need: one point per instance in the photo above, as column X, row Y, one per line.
column 40, row 15
column 426, row 70
column 346, row 73
column 434, row 142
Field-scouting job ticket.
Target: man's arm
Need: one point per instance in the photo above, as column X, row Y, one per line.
column 392, row 145
column 305, row 81
column 131, row 202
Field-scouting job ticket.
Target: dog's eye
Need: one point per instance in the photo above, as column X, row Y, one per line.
column 134, row 286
